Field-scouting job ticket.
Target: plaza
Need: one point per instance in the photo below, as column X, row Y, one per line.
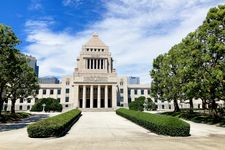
column 106, row 130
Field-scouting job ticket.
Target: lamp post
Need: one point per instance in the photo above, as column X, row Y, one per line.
column 43, row 105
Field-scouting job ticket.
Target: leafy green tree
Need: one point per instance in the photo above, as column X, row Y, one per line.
column 8, row 42
column 194, row 68
column 17, row 80
column 166, row 83
column 23, row 82
column 212, row 36
column 51, row 105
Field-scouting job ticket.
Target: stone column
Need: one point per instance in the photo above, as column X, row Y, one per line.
column 114, row 96
column 91, row 97
column 99, row 96
column 97, row 64
column 84, row 96
column 76, row 96
column 106, row 96
column 106, row 65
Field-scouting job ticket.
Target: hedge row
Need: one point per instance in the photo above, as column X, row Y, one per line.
column 159, row 124
column 55, row 126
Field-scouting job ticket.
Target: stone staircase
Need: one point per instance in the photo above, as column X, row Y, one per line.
column 97, row 109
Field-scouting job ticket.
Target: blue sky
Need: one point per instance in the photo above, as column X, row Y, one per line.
column 135, row 30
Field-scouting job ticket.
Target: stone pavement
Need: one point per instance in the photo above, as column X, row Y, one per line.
column 108, row 131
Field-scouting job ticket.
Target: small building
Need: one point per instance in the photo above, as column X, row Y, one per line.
column 133, row 80
column 32, row 62
column 48, row 80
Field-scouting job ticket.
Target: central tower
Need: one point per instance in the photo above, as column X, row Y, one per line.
column 95, row 59
column 94, row 78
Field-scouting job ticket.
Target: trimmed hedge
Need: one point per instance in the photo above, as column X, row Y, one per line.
column 159, row 124
column 54, row 126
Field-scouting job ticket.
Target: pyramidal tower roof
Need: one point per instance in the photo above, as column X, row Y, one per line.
column 95, row 41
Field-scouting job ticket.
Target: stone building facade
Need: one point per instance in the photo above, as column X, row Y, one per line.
column 95, row 84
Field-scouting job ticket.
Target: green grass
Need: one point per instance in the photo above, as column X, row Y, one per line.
column 54, row 126
column 159, row 124
column 197, row 117
column 8, row 117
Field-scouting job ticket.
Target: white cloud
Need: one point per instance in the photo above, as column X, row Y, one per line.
column 35, row 5
column 136, row 32
column 72, row 2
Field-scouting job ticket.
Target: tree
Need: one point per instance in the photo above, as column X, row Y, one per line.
column 23, row 82
column 166, row 83
column 17, row 79
column 8, row 41
column 212, row 35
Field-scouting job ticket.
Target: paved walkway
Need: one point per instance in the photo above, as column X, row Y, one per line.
column 21, row 124
column 107, row 131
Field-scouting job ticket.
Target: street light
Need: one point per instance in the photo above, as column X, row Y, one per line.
column 43, row 105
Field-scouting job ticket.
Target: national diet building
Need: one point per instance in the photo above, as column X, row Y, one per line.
column 94, row 84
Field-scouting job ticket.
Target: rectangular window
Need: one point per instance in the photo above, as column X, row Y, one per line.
column 21, row 107
column 169, row 106
column 121, row 98
column 121, row 90
column 129, row 100
column 51, row 92
column 128, row 91
column 44, row 91
column 148, row 91
column 142, row 92
column 67, row 99
column 58, row 91
column 37, row 92
column 135, row 92
column 28, row 107
column 162, row 106
column 21, row 100
column 67, row 90
column 58, row 99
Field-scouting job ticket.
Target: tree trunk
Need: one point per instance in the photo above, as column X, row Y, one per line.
column 191, row 106
column 203, row 104
column 176, row 106
column 1, row 100
column 13, row 106
column 1, row 106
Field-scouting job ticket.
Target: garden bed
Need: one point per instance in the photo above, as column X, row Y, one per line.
column 7, row 117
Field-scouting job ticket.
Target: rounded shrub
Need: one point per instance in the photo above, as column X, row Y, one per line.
column 51, row 105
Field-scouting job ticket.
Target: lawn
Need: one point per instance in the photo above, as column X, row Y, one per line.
column 198, row 117
column 8, row 117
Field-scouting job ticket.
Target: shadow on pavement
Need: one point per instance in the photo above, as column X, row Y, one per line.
column 23, row 123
